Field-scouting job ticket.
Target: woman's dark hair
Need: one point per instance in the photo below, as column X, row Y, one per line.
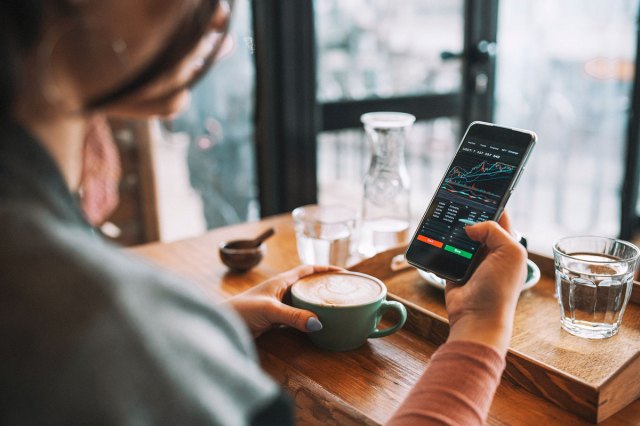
column 188, row 34
column 21, row 25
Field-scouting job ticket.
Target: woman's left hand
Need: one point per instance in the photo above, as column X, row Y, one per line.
column 261, row 307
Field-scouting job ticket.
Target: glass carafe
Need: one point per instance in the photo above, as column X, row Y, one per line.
column 385, row 212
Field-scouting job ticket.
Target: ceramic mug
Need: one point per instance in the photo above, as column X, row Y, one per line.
column 349, row 305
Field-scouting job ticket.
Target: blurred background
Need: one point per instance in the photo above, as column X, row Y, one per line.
column 275, row 124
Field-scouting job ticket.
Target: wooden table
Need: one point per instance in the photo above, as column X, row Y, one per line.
column 363, row 386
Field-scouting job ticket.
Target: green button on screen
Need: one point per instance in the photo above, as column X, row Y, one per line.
column 457, row 251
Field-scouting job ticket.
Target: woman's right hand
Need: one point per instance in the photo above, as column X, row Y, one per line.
column 482, row 310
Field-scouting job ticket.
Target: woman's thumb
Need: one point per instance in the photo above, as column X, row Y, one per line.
column 293, row 317
column 489, row 233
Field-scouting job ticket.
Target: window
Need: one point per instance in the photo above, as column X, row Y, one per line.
column 382, row 48
column 565, row 70
column 205, row 159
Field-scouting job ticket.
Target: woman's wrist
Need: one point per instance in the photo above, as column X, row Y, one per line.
column 494, row 332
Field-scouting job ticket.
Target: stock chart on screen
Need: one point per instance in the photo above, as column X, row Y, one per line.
column 481, row 184
column 471, row 191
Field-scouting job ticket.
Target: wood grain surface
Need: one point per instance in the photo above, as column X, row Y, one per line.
column 550, row 375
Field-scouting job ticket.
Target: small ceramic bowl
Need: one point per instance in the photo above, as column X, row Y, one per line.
column 241, row 255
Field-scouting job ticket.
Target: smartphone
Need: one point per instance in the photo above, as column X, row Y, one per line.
column 476, row 187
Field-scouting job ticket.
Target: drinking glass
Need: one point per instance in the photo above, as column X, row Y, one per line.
column 594, row 279
column 323, row 233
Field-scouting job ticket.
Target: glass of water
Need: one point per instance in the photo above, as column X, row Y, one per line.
column 324, row 234
column 594, row 279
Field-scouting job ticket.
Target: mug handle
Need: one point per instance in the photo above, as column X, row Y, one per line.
column 386, row 305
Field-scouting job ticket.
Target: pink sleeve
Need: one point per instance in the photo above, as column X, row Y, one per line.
column 456, row 389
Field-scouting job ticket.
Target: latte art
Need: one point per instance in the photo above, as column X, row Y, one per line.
column 338, row 289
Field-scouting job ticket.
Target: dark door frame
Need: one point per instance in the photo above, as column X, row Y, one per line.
column 479, row 60
column 629, row 222
column 286, row 111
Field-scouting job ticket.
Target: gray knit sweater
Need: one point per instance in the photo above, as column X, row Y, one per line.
column 92, row 335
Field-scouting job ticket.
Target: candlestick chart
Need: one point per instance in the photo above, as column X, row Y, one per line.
column 483, row 181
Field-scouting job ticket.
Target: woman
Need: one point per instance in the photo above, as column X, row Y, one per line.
column 91, row 334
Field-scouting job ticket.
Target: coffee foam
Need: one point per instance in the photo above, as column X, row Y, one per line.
column 337, row 289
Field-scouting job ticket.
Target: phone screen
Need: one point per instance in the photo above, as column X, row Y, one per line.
column 475, row 188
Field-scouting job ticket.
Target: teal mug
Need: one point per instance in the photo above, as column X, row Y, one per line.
column 349, row 305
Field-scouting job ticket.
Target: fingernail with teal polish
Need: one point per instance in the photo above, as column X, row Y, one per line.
column 313, row 324
column 467, row 221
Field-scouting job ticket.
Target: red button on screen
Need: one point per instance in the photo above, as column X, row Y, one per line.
column 430, row 241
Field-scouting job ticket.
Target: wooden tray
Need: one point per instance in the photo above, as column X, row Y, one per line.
column 591, row 378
